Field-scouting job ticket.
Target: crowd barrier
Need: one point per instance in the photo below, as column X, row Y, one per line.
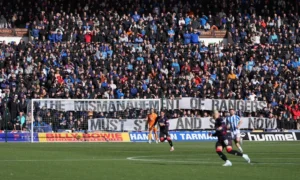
column 180, row 136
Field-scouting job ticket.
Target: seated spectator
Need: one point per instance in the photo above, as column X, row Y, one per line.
column 35, row 33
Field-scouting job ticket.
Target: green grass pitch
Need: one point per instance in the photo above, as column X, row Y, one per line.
column 141, row 161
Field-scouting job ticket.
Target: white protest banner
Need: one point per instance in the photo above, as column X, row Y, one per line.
column 189, row 123
column 106, row 124
column 184, row 123
column 98, row 105
column 112, row 105
column 213, row 104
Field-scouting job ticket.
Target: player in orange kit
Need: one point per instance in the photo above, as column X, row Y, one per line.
column 152, row 120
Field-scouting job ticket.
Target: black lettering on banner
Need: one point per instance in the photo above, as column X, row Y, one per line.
column 248, row 106
column 202, row 104
column 120, row 105
column 215, row 104
column 130, row 105
column 193, row 103
column 92, row 106
column 138, row 125
column 254, row 106
column 240, row 105
column 79, row 106
column 154, row 105
column 188, row 123
column 95, row 125
column 212, row 123
column 104, row 124
column 122, row 121
column 231, row 104
column 256, row 123
column 197, row 123
column 62, row 107
column 261, row 104
column 102, row 107
column 135, row 104
column 112, row 106
column 251, row 123
column 113, row 125
column 260, row 123
column 270, row 123
column 223, row 105
column 177, row 103
column 142, row 104
column 52, row 105
column 179, row 124
column 170, row 104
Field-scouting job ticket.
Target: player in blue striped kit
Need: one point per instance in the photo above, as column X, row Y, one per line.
column 235, row 122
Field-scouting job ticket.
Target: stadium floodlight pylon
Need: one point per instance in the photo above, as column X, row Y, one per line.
column 68, row 115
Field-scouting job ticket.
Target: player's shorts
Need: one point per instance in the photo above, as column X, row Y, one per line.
column 164, row 134
column 236, row 134
column 223, row 144
column 153, row 128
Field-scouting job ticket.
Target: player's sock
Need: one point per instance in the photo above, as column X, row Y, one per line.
column 222, row 155
column 149, row 136
column 156, row 138
column 170, row 141
column 241, row 150
column 234, row 152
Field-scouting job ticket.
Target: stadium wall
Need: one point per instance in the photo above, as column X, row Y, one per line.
column 208, row 41
column 13, row 35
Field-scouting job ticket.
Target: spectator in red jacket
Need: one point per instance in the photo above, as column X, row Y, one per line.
column 186, row 67
column 88, row 36
column 294, row 109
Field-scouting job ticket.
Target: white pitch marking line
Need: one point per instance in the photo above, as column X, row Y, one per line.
column 139, row 158
column 56, row 160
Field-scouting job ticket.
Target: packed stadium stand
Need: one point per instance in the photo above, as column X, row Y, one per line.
column 136, row 49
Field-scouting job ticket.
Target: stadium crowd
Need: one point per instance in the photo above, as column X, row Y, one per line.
column 150, row 49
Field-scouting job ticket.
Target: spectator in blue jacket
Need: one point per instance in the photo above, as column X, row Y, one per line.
column 195, row 37
column 297, row 50
column 187, row 20
column 171, row 34
column 51, row 37
column 120, row 94
column 58, row 36
column 35, row 33
column 139, row 39
column 136, row 17
column 133, row 90
column 187, row 37
column 203, row 20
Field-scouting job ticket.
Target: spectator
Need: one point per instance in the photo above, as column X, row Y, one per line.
column 195, row 37
column 20, row 123
column 35, row 33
